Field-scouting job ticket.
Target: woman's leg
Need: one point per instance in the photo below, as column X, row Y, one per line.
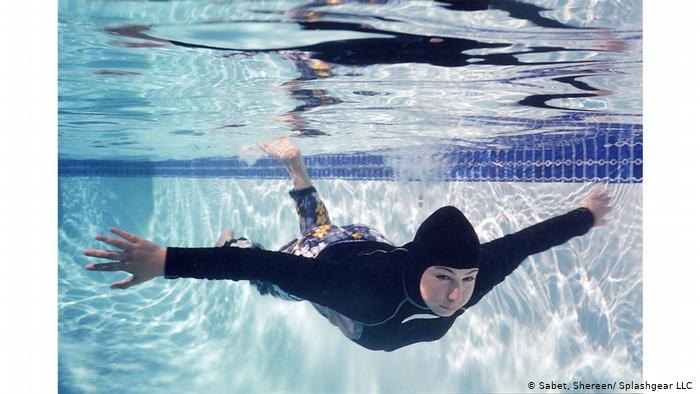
column 284, row 150
column 310, row 209
column 226, row 236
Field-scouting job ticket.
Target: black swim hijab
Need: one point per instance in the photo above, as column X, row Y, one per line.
column 445, row 238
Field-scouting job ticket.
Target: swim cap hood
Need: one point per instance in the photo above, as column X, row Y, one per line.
column 446, row 238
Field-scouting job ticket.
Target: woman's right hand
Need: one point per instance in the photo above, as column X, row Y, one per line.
column 142, row 258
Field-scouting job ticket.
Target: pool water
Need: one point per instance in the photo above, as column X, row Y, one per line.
column 571, row 312
column 158, row 99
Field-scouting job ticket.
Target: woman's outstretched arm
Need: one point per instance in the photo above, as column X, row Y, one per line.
column 351, row 286
column 502, row 256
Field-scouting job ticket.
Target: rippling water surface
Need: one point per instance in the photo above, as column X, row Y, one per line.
column 153, row 81
column 365, row 76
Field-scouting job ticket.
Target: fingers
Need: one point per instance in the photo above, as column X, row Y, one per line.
column 115, row 242
column 599, row 195
column 126, row 235
column 603, row 199
column 131, row 281
column 114, row 266
column 105, row 254
column 603, row 196
column 598, row 189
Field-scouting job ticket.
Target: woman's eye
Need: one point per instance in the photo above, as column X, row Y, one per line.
column 442, row 277
column 468, row 279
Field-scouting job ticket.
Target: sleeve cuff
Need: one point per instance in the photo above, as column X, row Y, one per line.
column 585, row 218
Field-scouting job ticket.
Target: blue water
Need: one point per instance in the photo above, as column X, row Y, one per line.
column 161, row 103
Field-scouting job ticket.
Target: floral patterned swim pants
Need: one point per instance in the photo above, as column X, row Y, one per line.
column 317, row 233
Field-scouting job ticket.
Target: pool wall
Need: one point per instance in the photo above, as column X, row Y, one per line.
column 613, row 154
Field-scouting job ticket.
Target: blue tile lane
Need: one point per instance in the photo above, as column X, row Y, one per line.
column 614, row 155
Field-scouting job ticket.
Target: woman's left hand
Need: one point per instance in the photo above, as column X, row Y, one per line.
column 598, row 202
column 142, row 258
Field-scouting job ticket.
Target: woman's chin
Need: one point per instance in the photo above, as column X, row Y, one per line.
column 443, row 312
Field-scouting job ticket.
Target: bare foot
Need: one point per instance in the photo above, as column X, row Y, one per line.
column 289, row 154
column 226, row 234
column 282, row 149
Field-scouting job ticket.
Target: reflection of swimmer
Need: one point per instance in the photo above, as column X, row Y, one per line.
column 393, row 48
column 311, row 98
column 309, row 69
column 380, row 296
column 136, row 31
column 514, row 8
column 319, row 60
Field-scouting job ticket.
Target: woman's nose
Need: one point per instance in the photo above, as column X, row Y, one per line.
column 454, row 294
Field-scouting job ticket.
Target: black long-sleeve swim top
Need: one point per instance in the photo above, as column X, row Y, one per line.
column 366, row 281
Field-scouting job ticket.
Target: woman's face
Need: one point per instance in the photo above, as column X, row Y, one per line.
column 445, row 289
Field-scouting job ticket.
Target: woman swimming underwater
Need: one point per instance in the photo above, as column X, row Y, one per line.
column 381, row 296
